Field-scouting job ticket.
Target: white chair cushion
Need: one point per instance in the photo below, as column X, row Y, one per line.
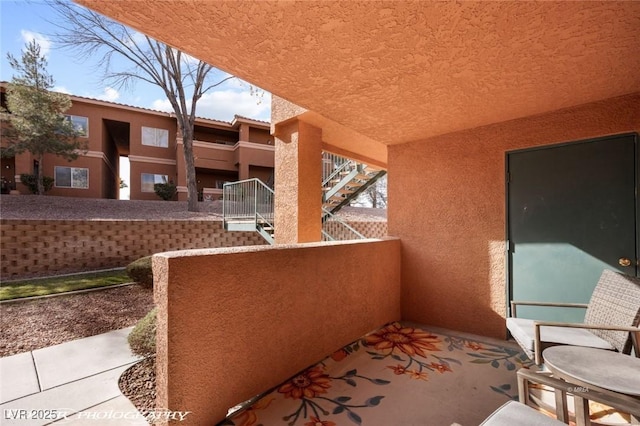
column 523, row 331
column 513, row 413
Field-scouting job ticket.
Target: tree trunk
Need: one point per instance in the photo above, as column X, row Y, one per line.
column 192, row 186
column 39, row 181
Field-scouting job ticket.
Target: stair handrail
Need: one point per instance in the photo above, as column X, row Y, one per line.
column 333, row 159
column 344, row 179
column 249, row 200
column 327, row 217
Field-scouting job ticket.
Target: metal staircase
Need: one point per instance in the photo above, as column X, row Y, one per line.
column 343, row 180
column 247, row 205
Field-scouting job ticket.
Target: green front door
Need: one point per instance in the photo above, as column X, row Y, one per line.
column 572, row 212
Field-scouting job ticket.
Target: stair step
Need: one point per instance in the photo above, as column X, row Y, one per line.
column 361, row 176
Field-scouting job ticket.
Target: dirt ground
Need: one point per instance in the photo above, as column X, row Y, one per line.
column 33, row 324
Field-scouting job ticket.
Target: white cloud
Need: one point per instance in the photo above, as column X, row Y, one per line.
column 234, row 83
column 188, row 59
column 224, row 104
column 42, row 40
column 61, row 89
column 137, row 38
column 110, row 94
column 162, row 105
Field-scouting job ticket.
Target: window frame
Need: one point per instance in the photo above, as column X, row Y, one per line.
column 71, row 172
column 142, row 184
column 156, row 134
column 85, row 129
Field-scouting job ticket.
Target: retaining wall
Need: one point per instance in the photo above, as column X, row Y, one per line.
column 32, row 248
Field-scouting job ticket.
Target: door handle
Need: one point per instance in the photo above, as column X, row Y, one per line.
column 624, row 261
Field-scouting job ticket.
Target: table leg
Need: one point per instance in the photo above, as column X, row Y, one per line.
column 562, row 413
column 582, row 411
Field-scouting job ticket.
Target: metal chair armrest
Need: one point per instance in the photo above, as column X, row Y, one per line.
column 515, row 303
column 635, row 331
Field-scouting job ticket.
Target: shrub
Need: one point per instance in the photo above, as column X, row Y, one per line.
column 31, row 182
column 141, row 271
column 166, row 191
column 142, row 339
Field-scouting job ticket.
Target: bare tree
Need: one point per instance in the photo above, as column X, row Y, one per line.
column 92, row 35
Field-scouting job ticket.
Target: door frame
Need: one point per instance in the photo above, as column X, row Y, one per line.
column 508, row 266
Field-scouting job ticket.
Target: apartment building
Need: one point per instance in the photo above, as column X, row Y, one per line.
column 223, row 151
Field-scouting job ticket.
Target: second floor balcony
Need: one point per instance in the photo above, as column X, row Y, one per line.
column 231, row 156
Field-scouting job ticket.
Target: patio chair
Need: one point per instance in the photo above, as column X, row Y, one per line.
column 611, row 320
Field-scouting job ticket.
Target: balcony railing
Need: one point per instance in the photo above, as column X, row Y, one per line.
column 248, row 206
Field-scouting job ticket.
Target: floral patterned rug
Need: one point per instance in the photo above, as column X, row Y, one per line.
column 401, row 374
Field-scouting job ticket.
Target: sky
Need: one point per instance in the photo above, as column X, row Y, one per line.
column 24, row 20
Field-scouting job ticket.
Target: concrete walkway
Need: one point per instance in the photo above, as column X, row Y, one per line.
column 70, row 383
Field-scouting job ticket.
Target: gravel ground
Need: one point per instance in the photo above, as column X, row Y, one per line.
column 138, row 383
column 34, row 207
column 34, row 324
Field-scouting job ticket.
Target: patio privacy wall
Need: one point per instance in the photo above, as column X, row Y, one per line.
column 447, row 205
column 48, row 247
column 235, row 322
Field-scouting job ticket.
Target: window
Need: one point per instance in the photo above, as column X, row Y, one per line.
column 155, row 137
column 72, row 177
column 80, row 124
column 148, row 180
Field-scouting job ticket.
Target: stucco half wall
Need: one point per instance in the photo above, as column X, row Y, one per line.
column 235, row 322
column 447, row 205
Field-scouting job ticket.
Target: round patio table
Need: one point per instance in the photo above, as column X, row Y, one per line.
column 589, row 367
column 614, row 375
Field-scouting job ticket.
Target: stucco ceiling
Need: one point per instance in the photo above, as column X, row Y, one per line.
column 405, row 71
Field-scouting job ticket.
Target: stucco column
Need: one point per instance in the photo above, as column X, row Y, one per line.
column 243, row 171
column 298, row 176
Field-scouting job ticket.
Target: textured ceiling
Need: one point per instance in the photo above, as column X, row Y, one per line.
column 404, row 71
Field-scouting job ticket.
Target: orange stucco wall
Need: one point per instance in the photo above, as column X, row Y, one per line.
column 447, row 205
column 235, row 322
column 298, row 196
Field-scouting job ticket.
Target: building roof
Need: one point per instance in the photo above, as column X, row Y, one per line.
column 241, row 119
column 405, row 71
column 199, row 120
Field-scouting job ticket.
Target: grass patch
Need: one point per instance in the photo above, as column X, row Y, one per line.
column 46, row 286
